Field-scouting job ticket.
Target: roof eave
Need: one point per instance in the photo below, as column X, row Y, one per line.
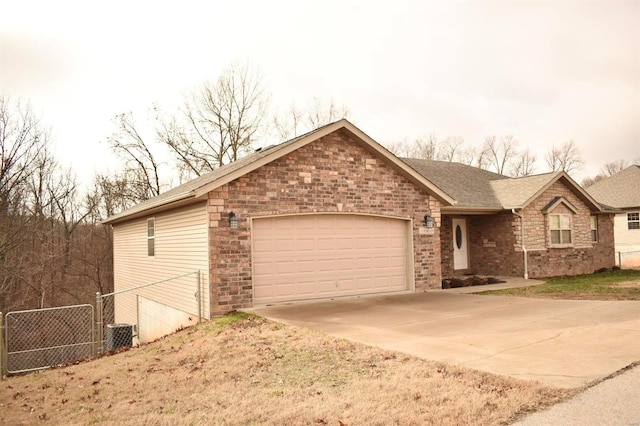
column 175, row 201
column 470, row 210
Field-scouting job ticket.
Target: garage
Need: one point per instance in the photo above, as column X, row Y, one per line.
column 304, row 257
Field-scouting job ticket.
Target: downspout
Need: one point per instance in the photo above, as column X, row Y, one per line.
column 524, row 249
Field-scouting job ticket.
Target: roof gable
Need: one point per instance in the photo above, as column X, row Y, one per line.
column 520, row 192
column 555, row 202
column 621, row 190
column 198, row 188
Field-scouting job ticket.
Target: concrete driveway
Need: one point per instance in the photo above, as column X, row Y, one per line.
column 563, row 343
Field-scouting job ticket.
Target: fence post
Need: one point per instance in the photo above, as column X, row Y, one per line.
column 99, row 325
column 620, row 259
column 199, row 296
column 3, row 350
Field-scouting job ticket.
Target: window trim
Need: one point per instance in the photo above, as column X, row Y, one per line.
column 635, row 220
column 560, row 229
column 151, row 237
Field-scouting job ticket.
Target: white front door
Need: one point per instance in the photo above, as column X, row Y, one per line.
column 460, row 250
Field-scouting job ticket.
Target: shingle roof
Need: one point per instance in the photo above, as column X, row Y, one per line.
column 621, row 190
column 200, row 186
column 477, row 189
column 187, row 189
column 518, row 192
column 470, row 186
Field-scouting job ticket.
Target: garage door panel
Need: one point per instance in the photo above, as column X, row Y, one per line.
column 316, row 256
column 314, row 285
column 344, row 243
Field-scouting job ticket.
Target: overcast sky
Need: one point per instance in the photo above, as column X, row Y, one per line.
column 543, row 71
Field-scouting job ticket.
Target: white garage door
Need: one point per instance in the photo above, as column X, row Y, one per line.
column 320, row 256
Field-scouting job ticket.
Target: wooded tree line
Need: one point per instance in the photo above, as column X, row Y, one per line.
column 504, row 155
column 53, row 249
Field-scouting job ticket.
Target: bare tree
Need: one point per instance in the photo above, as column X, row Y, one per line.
column 449, row 149
column 21, row 141
column 524, row 164
column 498, row 155
column 289, row 124
column 614, row 167
column 42, row 221
column 140, row 163
column 423, row 148
column 110, row 195
column 608, row 169
column 565, row 158
column 320, row 113
column 400, row 148
column 219, row 122
column 426, row 148
column 295, row 121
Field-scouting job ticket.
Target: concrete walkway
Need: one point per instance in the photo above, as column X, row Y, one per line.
column 564, row 343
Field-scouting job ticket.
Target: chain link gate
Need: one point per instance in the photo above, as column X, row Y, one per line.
column 41, row 338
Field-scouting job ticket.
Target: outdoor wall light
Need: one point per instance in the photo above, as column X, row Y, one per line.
column 233, row 220
column 428, row 221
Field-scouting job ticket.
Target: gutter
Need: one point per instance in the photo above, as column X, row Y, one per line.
column 524, row 249
column 144, row 209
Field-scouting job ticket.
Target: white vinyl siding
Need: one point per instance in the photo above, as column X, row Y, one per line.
column 626, row 240
column 180, row 246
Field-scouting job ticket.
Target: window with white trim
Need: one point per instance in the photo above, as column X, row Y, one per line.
column 594, row 229
column 560, row 229
column 633, row 220
column 151, row 237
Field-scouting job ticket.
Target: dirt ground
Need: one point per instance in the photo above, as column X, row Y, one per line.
column 248, row 370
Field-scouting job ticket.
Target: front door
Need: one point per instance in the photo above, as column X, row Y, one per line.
column 460, row 250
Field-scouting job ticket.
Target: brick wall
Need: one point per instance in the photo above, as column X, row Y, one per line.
column 495, row 241
column 577, row 260
column 333, row 174
column 491, row 239
column 492, row 243
column 536, row 224
column 604, row 249
column 582, row 256
column 446, row 245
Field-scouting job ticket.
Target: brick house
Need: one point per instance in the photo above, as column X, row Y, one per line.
column 622, row 191
column 536, row 226
column 332, row 213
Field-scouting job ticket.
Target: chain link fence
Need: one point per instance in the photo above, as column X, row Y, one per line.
column 149, row 311
column 40, row 338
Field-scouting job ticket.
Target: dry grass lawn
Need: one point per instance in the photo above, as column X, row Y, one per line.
column 613, row 285
column 242, row 369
